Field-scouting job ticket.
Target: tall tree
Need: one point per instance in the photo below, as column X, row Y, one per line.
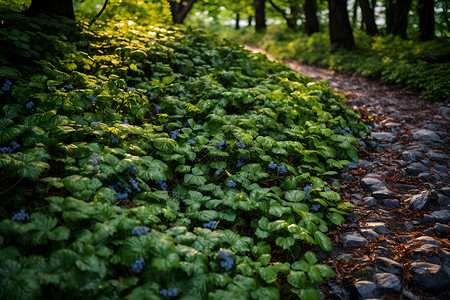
column 311, row 21
column 59, row 7
column 426, row 19
column 341, row 33
column 397, row 16
column 291, row 19
column 180, row 10
column 368, row 17
column 260, row 15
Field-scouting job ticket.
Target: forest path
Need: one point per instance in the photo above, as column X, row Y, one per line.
column 395, row 243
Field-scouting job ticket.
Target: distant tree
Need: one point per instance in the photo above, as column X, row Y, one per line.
column 368, row 16
column 341, row 33
column 260, row 15
column 397, row 16
column 180, row 10
column 291, row 18
column 426, row 19
column 311, row 21
column 59, row 7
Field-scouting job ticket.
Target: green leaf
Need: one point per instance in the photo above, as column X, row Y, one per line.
column 295, row 195
column 330, row 195
column 194, row 179
column 325, row 270
column 59, row 234
column 336, row 218
column 323, row 241
column 310, row 258
column 297, row 279
column 285, row 243
column 309, row 293
column 269, row 274
column 267, row 293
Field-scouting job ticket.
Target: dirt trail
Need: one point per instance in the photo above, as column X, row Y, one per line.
column 395, row 243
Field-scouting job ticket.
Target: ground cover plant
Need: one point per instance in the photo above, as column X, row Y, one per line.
column 423, row 67
column 158, row 162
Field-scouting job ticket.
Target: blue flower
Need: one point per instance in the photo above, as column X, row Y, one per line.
column 158, row 108
column 191, row 141
column 29, row 105
column 169, row 293
column 174, row 133
column 68, row 87
column 308, row 188
column 222, row 144
column 228, row 262
column 95, row 160
column 315, row 207
column 21, row 216
column 240, row 145
column 264, row 133
column 346, row 129
column 229, row 55
column 131, row 89
column 162, row 184
column 138, row 266
column 219, row 171
column 121, row 196
column 211, row 225
column 134, row 184
column 125, row 122
column 6, row 149
column 281, row 170
column 92, row 98
column 185, row 124
column 272, row 165
column 368, row 127
column 355, row 160
column 326, row 188
column 138, row 230
column 7, row 85
column 114, row 139
column 206, row 85
column 130, row 171
column 13, row 146
column 95, row 123
column 240, row 163
column 230, row 183
column 245, row 157
column 362, row 144
column 307, row 196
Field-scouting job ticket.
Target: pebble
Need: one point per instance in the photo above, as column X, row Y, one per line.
column 353, row 240
column 442, row 216
column 418, row 202
column 389, row 265
column 389, row 283
column 431, row 278
column 365, row 290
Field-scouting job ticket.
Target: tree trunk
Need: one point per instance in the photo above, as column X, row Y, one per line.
column 237, row 22
column 260, row 15
column 291, row 19
column 368, row 17
column 311, row 21
column 426, row 19
column 58, row 7
column 180, row 11
column 341, row 33
column 397, row 16
column 250, row 19
column 355, row 13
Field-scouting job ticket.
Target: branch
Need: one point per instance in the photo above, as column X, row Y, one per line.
column 99, row 13
column 278, row 9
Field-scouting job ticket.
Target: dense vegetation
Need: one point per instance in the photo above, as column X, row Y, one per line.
column 423, row 67
column 150, row 162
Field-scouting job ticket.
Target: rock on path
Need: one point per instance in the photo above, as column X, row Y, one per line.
column 396, row 244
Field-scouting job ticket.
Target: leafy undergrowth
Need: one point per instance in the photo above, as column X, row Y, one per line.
column 421, row 66
column 151, row 162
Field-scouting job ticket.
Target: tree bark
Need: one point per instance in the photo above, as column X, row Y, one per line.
column 250, row 19
column 426, row 19
column 58, row 7
column 180, row 11
column 397, row 16
column 341, row 33
column 290, row 19
column 260, row 15
column 237, row 22
column 311, row 21
column 368, row 17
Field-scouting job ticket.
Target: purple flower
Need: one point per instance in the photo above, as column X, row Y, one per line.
column 315, row 207
column 346, row 129
column 281, row 170
column 240, row 163
column 240, row 145
column 308, row 188
column 272, row 165
column 68, row 87
column 229, row 55
column 227, row 262
column 174, row 134
column 7, row 85
column 138, row 266
column 220, row 145
column 230, row 183
column 219, row 171
column 158, row 108
column 21, row 216
column 138, row 230
column 130, row 171
column 307, row 196
column 162, row 184
column 92, row 98
column 169, row 293
column 131, row 89
column 134, row 184
column 95, row 123
column 211, row 225
column 191, row 141
column 95, row 160
column 206, row 85
column 29, row 105
column 355, row 160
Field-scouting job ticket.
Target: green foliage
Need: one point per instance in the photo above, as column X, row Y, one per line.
column 136, row 139
column 421, row 66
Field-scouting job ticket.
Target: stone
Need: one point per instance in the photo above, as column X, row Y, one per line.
column 370, row 201
column 339, row 290
column 369, row 234
column 441, row 228
column 428, row 277
column 378, row 227
column 418, row 202
column 353, row 240
column 347, row 177
column 345, row 257
column 406, row 187
column 428, row 219
column 364, row 289
column 427, row 249
column 383, row 194
column 445, row 191
column 425, row 135
column 389, row 265
column 443, row 200
column 411, row 156
column 428, row 240
column 373, row 184
column 438, row 155
column 408, row 295
column 442, row 216
column 416, row 168
column 424, row 176
column 409, row 226
column 394, row 203
column 389, row 283
column 383, row 136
